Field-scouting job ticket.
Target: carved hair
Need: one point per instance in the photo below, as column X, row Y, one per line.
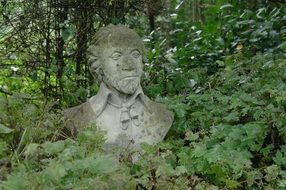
column 111, row 35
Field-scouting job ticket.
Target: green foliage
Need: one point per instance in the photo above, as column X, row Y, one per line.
column 222, row 72
column 233, row 137
column 227, row 34
column 234, row 125
column 69, row 164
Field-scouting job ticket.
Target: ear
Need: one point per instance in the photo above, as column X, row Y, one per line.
column 93, row 60
column 92, row 51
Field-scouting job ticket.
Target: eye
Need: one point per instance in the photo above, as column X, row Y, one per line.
column 116, row 55
column 136, row 54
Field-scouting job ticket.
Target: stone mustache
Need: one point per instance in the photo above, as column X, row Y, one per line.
column 120, row 107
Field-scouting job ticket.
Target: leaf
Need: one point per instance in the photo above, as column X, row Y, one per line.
column 31, row 149
column 225, row 6
column 239, row 47
column 220, row 63
column 232, row 184
column 272, row 173
column 164, row 169
column 105, row 164
column 100, row 165
column 232, row 116
column 55, row 171
column 280, row 157
column 53, row 147
column 192, row 83
column 258, row 15
column 180, row 170
column 68, row 32
column 252, row 176
column 14, row 181
column 4, row 129
column 190, row 136
column 3, row 148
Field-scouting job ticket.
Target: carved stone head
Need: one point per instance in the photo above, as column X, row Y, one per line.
column 120, row 107
column 116, row 58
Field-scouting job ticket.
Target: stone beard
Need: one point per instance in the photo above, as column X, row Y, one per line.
column 126, row 85
column 120, row 107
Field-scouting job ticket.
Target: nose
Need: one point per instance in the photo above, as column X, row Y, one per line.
column 128, row 64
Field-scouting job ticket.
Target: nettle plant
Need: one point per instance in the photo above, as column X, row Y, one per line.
column 229, row 133
column 233, row 123
column 230, row 122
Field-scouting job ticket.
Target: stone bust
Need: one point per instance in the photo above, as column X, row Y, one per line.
column 120, row 107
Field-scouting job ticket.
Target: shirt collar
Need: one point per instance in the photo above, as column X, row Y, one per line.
column 106, row 96
column 111, row 98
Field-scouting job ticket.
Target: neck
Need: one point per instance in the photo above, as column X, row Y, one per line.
column 122, row 96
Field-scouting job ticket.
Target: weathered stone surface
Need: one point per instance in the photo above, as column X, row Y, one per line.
column 120, row 107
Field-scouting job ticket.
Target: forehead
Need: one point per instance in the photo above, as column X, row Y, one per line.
column 123, row 42
column 123, row 39
column 121, row 48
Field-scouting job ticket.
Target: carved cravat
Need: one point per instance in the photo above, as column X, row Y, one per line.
column 128, row 115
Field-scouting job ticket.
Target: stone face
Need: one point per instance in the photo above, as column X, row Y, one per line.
column 120, row 107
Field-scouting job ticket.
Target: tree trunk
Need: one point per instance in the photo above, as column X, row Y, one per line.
column 60, row 16
column 47, row 38
column 83, row 29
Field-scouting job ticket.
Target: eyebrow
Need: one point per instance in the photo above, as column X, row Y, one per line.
column 136, row 49
column 122, row 49
column 116, row 51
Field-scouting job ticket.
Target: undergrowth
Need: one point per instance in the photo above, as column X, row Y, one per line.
column 229, row 133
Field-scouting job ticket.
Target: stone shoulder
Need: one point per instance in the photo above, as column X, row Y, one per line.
column 163, row 113
column 161, row 120
column 79, row 116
